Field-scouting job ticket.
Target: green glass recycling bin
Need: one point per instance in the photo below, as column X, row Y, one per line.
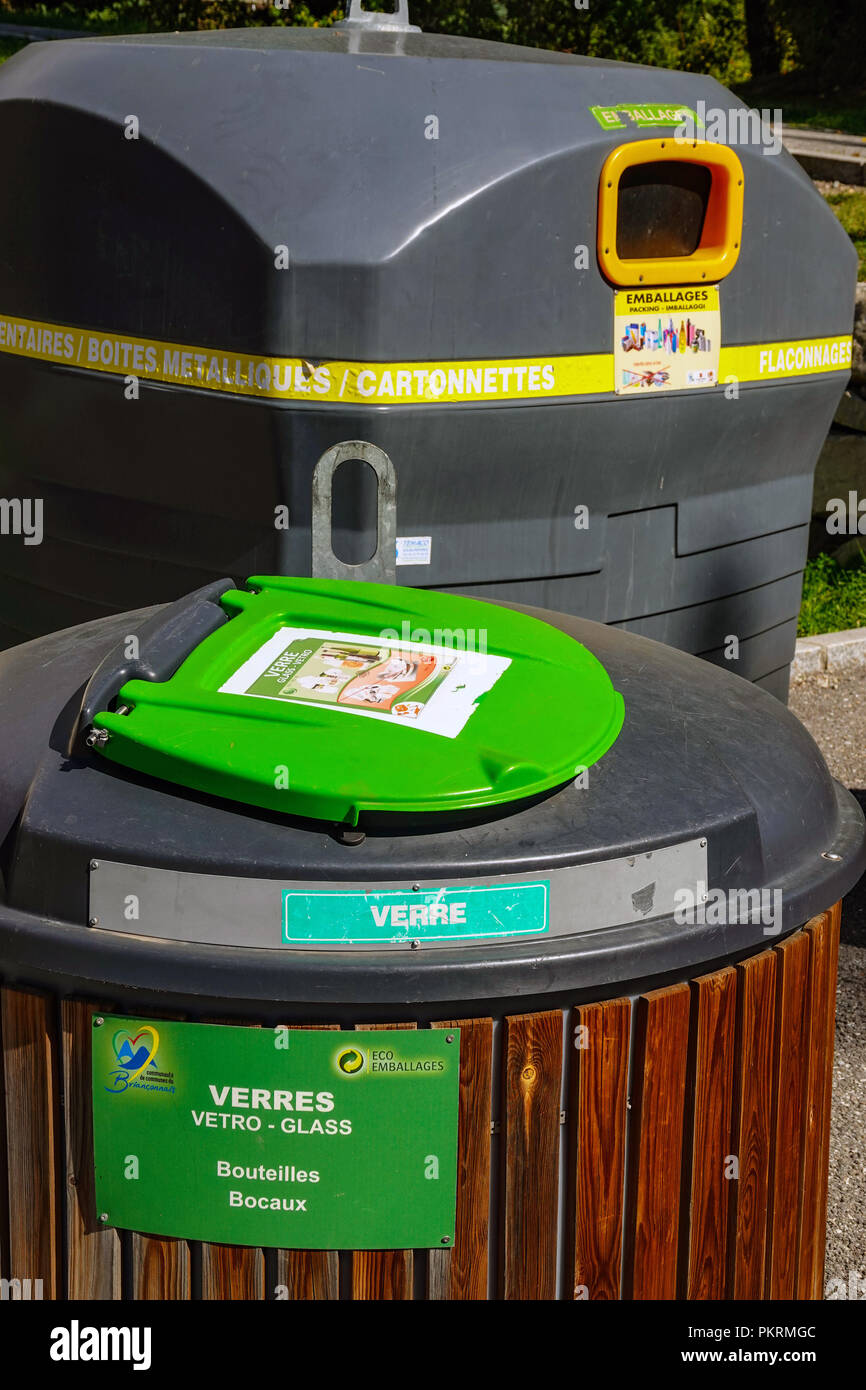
column 363, row 942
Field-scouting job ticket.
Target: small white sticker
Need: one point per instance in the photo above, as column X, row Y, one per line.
column 413, row 550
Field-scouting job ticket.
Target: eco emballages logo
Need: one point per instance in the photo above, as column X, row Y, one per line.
column 350, row 1061
column 135, row 1065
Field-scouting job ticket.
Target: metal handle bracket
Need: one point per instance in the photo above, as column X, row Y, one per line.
column 381, row 568
column 396, row 22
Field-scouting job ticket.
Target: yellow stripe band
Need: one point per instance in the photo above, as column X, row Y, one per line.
column 772, row 361
column 382, row 383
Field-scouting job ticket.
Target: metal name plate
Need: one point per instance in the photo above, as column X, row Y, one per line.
column 438, row 914
column 280, row 914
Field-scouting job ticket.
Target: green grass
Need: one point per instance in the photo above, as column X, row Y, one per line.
column 101, row 20
column 137, row 17
column 60, row 17
column 833, row 598
column 849, row 205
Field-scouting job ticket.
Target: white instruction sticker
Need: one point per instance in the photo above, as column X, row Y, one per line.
column 416, row 684
column 413, row 550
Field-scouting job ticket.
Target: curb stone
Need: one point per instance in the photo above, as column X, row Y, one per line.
column 833, row 652
column 827, row 154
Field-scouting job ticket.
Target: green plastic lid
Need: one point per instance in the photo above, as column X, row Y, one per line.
column 330, row 698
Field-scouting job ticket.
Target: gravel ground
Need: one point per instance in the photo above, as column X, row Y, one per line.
column 835, row 715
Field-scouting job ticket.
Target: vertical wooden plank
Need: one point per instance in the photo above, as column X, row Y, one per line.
column 309, row 1275
column 753, row 1105
column 461, row 1273
column 709, row 1092
column 598, row 1105
column 32, row 1129
column 810, row 1237
column 160, row 1267
column 789, row 1111
column 92, row 1251
column 823, row 933
column 832, row 927
column 661, row 1048
column 382, row 1274
column 533, row 1074
column 232, row 1272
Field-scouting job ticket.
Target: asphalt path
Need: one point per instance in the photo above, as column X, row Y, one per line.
column 835, row 715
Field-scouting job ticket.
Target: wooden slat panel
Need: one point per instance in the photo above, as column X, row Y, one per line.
column 533, row 1073
column 709, row 1094
column 823, row 933
column 309, row 1274
column 832, row 926
column 753, row 1102
column 382, row 1274
column 32, row 1128
column 661, row 1048
column 461, row 1273
column 599, row 1106
column 790, row 1067
column 92, row 1251
column 160, row 1268
column 232, row 1271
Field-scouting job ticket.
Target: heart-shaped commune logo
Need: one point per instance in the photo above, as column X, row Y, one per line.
column 133, row 1053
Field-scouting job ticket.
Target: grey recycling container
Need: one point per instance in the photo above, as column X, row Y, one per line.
column 278, row 239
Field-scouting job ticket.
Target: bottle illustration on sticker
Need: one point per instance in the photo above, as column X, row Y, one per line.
column 419, row 684
column 666, row 338
column 379, row 678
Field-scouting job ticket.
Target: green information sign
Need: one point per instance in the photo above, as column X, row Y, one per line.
column 437, row 914
column 294, row 1138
